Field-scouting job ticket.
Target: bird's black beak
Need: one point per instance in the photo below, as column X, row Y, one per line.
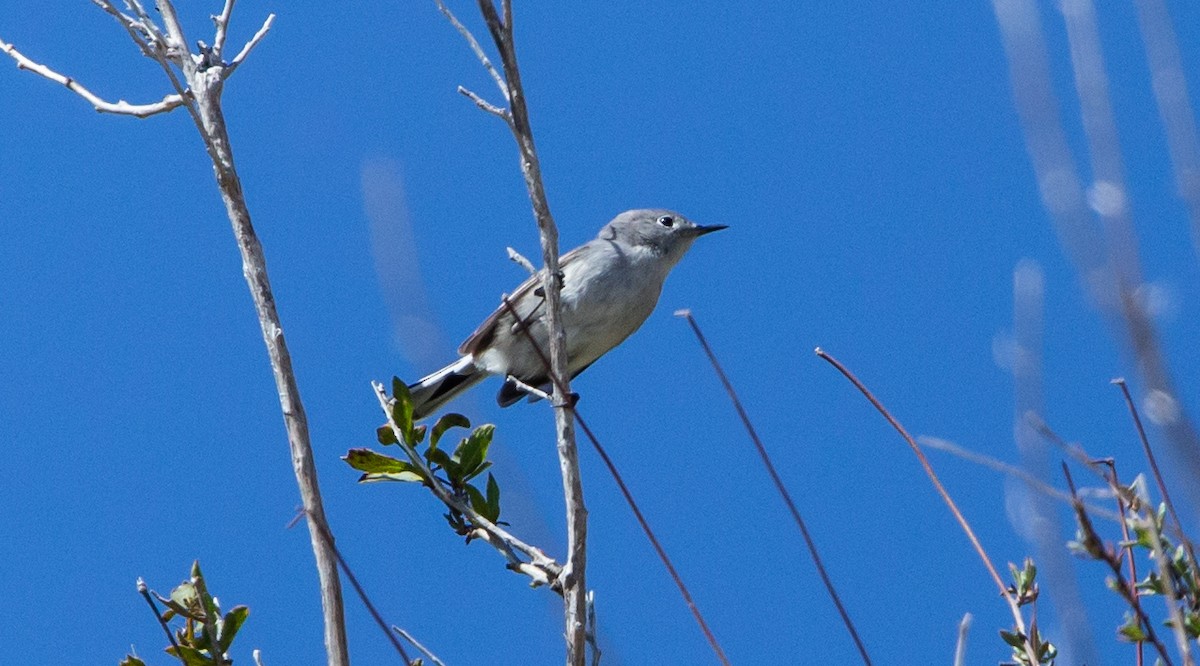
column 702, row 229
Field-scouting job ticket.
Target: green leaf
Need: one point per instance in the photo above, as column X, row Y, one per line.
column 402, row 408
column 446, row 422
column 366, row 460
column 439, row 457
column 493, row 497
column 234, row 620
column 190, row 656
column 472, row 451
column 407, row 477
column 1016, row 640
column 477, row 501
column 418, row 434
column 131, row 660
column 378, row 467
column 1132, row 629
column 386, row 435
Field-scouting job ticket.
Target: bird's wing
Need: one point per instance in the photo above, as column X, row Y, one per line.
column 529, row 289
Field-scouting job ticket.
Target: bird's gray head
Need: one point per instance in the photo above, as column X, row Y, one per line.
column 664, row 233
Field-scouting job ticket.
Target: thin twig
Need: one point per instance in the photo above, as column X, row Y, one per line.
column 1019, row 622
column 779, row 486
column 1170, row 594
column 475, row 48
column 521, row 261
column 424, row 650
column 362, row 596
column 482, row 103
column 221, row 21
column 1127, row 551
column 145, row 592
column 258, row 37
column 1158, row 477
column 1095, row 547
column 637, row 512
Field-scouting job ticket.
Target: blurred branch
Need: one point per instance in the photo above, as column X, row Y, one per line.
column 1174, row 107
column 203, row 77
column 1106, row 255
column 1034, row 483
column 1032, row 516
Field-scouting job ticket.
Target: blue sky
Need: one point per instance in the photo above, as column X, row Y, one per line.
column 869, row 162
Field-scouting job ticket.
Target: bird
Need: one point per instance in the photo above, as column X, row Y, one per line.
column 610, row 285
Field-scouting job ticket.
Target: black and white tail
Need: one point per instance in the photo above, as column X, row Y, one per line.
column 436, row 389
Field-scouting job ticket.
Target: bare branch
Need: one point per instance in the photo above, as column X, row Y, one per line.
column 145, row 592
column 258, row 37
column 521, row 261
column 960, row 648
column 531, row 390
column 475, row 48
column 141, row 34
column 482, row 103
column 120, row 107
column 221, row 22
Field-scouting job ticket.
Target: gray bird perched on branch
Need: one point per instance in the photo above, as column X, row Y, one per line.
column 610, row 286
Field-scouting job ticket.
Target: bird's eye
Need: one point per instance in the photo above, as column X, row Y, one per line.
column 667, row 221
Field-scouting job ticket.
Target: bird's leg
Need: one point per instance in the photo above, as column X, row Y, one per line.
column 531, row 390
column 537, row 393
